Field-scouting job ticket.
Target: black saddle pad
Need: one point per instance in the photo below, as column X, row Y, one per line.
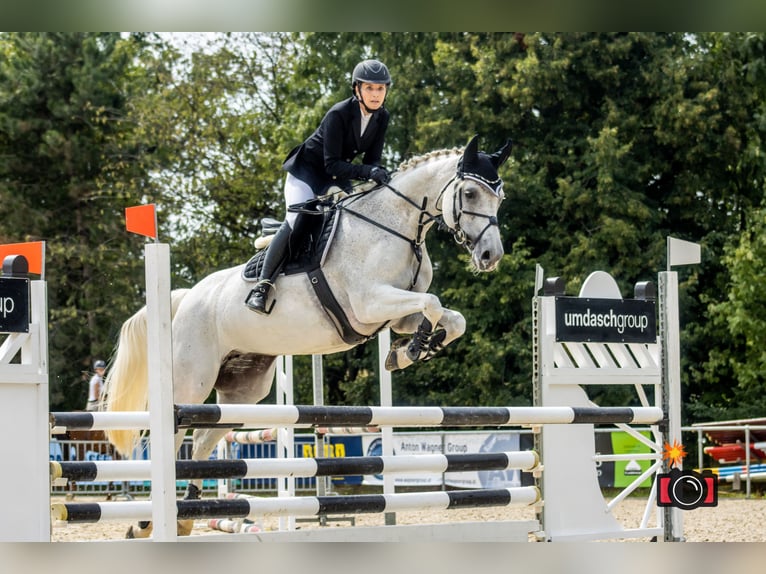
column 308, row 256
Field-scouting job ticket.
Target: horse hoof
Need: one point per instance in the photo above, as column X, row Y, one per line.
column 391, row 362
column 397, row 357
column 184, row 527
column 139, row 532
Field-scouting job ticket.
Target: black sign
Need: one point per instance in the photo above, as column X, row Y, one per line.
column 585, row 320
column 14, row 305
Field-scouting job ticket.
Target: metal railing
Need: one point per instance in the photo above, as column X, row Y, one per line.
column 700, row 430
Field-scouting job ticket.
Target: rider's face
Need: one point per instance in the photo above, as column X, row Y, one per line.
column 373, row 95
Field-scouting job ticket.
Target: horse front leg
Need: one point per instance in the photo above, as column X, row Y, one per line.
column 426, row 340
column 410, row 312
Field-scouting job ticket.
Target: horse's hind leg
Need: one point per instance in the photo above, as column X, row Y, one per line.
column 242, row 379
column 144, row 528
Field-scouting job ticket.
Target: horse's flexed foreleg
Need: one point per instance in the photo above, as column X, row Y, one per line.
column 426, row 340
column 409, row 312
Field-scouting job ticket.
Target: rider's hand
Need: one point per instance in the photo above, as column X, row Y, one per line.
column 379, row 175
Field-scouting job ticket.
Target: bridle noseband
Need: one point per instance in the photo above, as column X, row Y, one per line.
column 457, row 207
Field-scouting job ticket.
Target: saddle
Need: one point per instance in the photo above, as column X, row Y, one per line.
column 308, row 258
column 311, row 251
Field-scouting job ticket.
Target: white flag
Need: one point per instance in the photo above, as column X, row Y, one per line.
column 682, row 252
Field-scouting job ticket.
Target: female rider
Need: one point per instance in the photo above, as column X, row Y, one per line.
column 351, row 127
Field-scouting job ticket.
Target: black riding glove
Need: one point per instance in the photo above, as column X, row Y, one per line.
column 379, row 175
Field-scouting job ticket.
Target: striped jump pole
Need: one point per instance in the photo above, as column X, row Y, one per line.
column 233, row 526
column 252, row 437
column 120, row 420
column 252, row 508
column 202, row 416
column 372, row 429
column 120, row 470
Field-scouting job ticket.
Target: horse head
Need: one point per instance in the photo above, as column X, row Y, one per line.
column 471, row 202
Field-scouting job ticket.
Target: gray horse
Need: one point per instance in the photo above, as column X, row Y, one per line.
column 376, row 267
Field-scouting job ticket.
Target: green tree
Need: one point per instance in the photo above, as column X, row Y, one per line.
column 740, row 356
column 69, row 164
column 619, row 141
column 726, row 377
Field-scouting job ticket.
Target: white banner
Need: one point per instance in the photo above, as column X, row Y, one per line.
column 453, row 443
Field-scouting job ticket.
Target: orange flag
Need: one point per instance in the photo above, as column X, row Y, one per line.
column 34, row 251
column 142, row 220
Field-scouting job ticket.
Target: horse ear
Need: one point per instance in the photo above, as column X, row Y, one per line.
column 471, row 150
column 500, row 156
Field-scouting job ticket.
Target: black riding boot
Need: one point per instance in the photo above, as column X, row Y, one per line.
column 272, row 263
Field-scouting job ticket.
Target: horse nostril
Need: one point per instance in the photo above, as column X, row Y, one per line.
column 486, row 256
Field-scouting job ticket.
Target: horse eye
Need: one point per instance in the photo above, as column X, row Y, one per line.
column 469, row 193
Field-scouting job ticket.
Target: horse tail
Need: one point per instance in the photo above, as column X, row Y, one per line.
column 126, row 386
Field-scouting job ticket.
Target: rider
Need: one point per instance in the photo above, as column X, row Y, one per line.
column 351, row 127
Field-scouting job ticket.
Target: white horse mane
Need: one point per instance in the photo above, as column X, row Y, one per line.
column 420, row 159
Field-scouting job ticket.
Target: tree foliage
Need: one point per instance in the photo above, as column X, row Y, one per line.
column 69, row 164
column 620, row 140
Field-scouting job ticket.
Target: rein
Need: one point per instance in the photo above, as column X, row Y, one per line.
column 424, row 218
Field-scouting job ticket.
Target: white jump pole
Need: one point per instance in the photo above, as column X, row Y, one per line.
column 386, row 400
column 679, row 252
column 160, row 365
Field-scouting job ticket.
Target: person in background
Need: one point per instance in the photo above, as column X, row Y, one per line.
column 95, row 385
column 354, row 126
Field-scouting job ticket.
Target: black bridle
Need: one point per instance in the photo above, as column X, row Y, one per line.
column 458, row 211
column 425, row 218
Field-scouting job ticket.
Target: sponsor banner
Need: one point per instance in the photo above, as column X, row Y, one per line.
column 14, row 305
column 586, row 320
column 339, row 446
column 621, row 473
column 449, row 443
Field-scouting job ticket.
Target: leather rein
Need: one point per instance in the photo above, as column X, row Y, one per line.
column 425, row 218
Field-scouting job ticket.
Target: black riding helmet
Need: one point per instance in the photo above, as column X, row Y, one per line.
column 369, row 72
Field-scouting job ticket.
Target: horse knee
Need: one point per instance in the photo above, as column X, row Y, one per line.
column 433, row 310
column 458, row 325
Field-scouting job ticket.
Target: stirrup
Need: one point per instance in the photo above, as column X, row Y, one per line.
column 257, row 298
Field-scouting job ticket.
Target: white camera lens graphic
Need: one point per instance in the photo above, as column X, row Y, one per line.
column 688, row 491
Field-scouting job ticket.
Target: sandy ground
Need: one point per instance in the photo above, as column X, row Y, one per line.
column 733, row 520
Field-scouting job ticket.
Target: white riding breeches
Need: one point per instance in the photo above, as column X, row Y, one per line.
column 296, row 191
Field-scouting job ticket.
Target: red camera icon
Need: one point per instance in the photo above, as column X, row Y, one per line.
column 687, row 489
